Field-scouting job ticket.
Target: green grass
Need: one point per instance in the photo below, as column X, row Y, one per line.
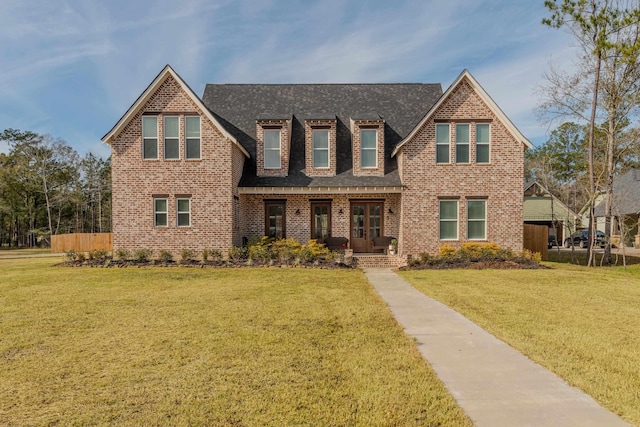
column 173, row 346
column 31, row 251
column 580, row 257
column 583, row 324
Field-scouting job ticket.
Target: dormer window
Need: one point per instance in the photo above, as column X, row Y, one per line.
column 272, row 150
column 369, row 148
column 320, row 148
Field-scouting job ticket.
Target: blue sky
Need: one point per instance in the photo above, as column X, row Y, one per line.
column 71, row 68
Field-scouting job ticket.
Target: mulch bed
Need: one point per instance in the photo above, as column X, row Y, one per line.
column 117, row 263
column 476, row 265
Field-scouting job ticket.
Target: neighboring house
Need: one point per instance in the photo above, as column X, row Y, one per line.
column 310, row 161
column 543, row 208
column 584, row 214
column 625, row 209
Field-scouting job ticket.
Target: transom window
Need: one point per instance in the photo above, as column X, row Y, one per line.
column 149, row 137
column 272, row 156
column 368, row 148
column 476, row 220
column 192, row 134
column 482, row 142
column 171, row 137
column 321, row 148
column 183, row 212
column 448, row 219
column 442, row 143
column 160, row 212
column 462, row 143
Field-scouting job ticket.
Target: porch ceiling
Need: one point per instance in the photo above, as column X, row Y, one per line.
column 320, row 190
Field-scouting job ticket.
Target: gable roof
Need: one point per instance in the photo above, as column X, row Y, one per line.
column 531, row 184
column 626, row 195
column 150, row 90
column 483, row 95
column 238, row 106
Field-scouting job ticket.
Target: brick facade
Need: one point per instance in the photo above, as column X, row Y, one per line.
column 499, row 182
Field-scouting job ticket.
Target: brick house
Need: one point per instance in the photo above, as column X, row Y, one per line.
column 315, row 160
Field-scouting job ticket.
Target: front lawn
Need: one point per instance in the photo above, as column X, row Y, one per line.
column 580, row 323
column 251, row 347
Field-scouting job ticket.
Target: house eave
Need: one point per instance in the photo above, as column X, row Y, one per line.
column 321, row 190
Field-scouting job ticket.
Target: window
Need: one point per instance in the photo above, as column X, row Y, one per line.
column 368, row 148
column 321, row 148
column 462, row 143
column 160, row 212
column 448, row 219
column 274, row 216
column 184, row 212
column 272, row 149
column 192, row 133
column 320, row 220
column 482, row 142
column 171, row 137
column 476, row 220
column 442, row 143
column 149, row 137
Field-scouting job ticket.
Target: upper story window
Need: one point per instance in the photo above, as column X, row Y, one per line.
column 482, row 142
column 160, row 212
column 183, row 212
column 320, row 148
column 448, row 220
column 462, row 143
column 368, row 148
column 192, row 135
column 149, row 137
column 272, row 149
column 171, row 137
column 442, row 143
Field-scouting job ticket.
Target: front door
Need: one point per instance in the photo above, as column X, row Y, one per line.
column 320, row 220
column 274, row 219
column 366, row 223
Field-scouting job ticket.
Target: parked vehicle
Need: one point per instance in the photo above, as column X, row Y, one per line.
column 581, row 238
column 552, row 241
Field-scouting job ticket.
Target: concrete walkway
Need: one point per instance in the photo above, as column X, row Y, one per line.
column 493, row 383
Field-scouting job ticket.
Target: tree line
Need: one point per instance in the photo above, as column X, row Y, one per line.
column 47, row 188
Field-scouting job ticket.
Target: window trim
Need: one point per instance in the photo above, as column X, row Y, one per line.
column 164, row 137
column 186, row 138
column 448, row 143
column 362, row 149
column 145, row 138
column 460, row 144
column 156, row 212
column 469, row 220
column 179, row 212
column 488, row 144
column 265, row 149
column 313, row 148
column 457, row 220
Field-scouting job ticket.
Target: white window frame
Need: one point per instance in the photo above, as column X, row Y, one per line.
column 156, row 212
column 186, row 138
column 457, row 219
column 314, row 149
column 448, row 143
column 179, row 212
column 469, row 220
column 362, row 149
column 279, row 149
column 145, row 138
column 487, row 143
column 463, row 143
column 164, row 136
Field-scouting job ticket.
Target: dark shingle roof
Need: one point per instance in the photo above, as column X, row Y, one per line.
column 401, row 106
column 626, row 195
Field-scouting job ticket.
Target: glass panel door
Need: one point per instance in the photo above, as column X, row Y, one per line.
column 320, row 220
column 275, row 220
column 366, row 223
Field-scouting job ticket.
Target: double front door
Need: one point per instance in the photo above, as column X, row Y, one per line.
column 366, row 224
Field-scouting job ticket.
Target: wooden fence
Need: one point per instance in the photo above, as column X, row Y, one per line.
column 536, row 239
column 81, row 242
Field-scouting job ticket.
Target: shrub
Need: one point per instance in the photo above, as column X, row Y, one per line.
column 187, row 255
column 80, row 256
column 98, row 254
column 215, row 254
column 286, row 249
column 313, row 251
column 446, row 252
column 237, row 253
column 71, row 255
column 142, row 255
column 205, row 254
column 123, row 254
column 165, row 256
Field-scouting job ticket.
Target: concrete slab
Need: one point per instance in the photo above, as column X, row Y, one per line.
column 493, row 383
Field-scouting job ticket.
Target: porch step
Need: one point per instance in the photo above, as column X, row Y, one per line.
column 377, row 261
